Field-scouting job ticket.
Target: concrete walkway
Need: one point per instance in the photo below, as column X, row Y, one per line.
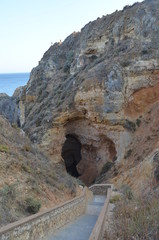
column 82, row 227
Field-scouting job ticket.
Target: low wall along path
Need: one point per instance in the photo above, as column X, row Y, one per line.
column 41, row 225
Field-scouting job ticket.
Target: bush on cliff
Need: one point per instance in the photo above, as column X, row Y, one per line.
column 135, row 218
column 32, row 205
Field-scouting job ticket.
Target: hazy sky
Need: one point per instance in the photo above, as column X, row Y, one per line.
column 27, row 27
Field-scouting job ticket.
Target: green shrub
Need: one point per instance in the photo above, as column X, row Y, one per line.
column 144, row 51
column 106, row 167
column 32, row 205
column 26, row 168
column 128, row 154
column 61, row 186
column 4, row 148
column 126, row 190
column 115, row 199
column 131, row 126
column 26, row 148
column 125, row 63
column 14, row 125
column 8, row 191
column 138, row 122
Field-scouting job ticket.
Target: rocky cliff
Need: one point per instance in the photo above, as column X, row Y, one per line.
column 9, row 108
column 97, row 92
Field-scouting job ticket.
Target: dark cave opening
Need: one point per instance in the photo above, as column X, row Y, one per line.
column 71, row 153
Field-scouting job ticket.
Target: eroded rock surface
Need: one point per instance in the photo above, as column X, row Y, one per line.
column 9, row 108
column 95, row 86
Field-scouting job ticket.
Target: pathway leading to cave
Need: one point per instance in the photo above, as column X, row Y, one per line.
column 82, row 227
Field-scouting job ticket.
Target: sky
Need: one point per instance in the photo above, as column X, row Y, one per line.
column 28, row 27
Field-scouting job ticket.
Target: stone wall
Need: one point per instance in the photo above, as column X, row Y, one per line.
column 41, row 224
column 100, row 189
column 98, row 230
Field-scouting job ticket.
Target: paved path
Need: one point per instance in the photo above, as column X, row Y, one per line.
column 82, row 227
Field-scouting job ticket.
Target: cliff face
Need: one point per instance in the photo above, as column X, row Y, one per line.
column 9, row 108
column 97, row 87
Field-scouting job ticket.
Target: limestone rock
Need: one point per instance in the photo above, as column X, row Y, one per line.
column 94, row 86
column 9, row 108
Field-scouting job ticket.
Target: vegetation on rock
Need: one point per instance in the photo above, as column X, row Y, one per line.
column 29, row 180
column 135, row 218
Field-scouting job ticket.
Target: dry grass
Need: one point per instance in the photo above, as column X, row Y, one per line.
column 136, row 219
column 26, row 173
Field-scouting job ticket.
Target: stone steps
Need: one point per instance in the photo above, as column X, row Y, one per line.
column 94, row 208
column 82, row 227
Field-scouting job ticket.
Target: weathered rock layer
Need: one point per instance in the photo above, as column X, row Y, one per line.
column 94, row 86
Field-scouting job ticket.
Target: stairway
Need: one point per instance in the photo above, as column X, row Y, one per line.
column 82, row 227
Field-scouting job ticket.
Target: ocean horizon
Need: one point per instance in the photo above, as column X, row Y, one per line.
column 10, row 81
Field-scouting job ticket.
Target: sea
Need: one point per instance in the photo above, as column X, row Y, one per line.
column 10, row 81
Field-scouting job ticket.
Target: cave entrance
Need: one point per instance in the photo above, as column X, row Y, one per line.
column 71, row 153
